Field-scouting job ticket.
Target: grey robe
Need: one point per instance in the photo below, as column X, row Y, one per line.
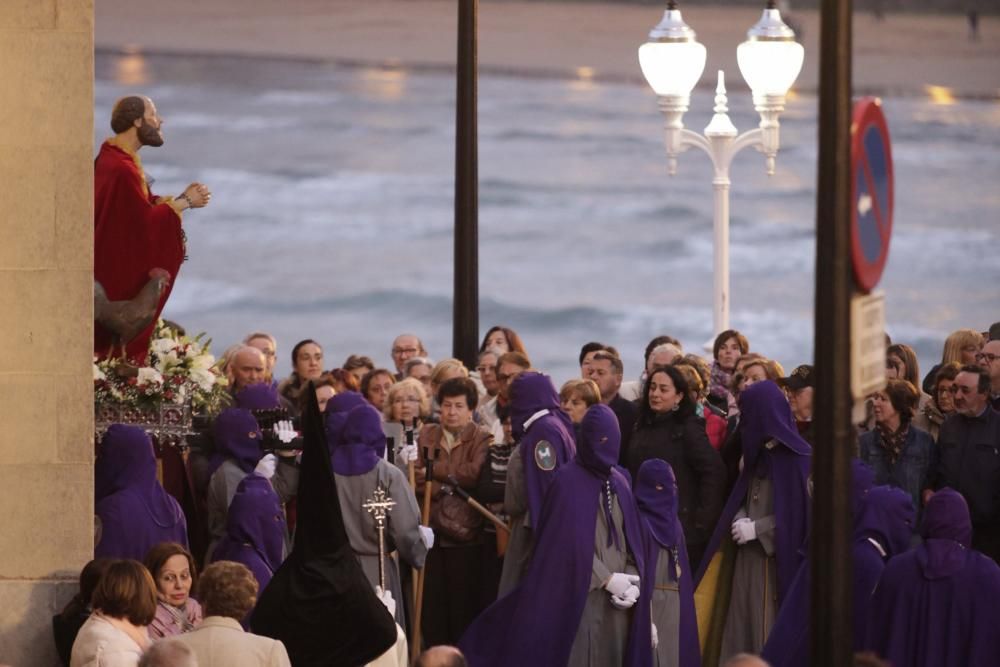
column 754, row 601
column 602, row 636
column 522, row 541
column 222, row 488
column 401, row 532
column 666, row 612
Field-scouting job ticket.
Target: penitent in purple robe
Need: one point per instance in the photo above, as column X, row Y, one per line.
column 937, row 605
column 656, row 496
column 536, row 625
column 135, row 512
column 255, row 529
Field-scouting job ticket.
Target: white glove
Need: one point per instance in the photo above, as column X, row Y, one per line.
column 267, row 466
column 626, row 600
column 620, row 582
column 656, row 638
column 427, row 537
column 744, row 530
column 386, row 598
column 284, row 431
column 406, row 454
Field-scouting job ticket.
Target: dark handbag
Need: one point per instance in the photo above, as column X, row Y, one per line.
column 454, row 519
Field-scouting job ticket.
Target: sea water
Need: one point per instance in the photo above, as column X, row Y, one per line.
column 333, row 198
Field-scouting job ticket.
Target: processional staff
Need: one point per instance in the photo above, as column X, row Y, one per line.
column 379, row 506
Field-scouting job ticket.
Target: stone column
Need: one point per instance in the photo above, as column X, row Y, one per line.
column 46, row 316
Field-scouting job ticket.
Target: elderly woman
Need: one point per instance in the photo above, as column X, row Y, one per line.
column 900, row 452
column 228, row 591
column 728, row 347
column 174, row 573
column 486, row 372
column 307, row 365
column 406, row 409
column 453, row 594
column 375, row 386
column 134, row 511
column 942, row 403
column 124, row 604
column 576, row 396
column 668, row 428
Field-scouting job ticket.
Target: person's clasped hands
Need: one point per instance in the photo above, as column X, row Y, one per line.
column 744, row 530
column 624, row 589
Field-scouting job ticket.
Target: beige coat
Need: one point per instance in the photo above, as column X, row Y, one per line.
column 222, row 642
column 101, row 644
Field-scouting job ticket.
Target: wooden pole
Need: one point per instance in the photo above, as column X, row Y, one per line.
column 465, row 336
column 425, row 517
column 830, row 549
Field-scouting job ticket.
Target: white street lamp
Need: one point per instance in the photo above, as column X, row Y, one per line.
column 672, row 62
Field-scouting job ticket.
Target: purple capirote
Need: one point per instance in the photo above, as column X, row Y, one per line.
column 656, row 496
column 362, row 442
column 255, row 529
column 237, row 438
column 134, row 510
column 536, row 623
column 531, row 393
column 937, row 603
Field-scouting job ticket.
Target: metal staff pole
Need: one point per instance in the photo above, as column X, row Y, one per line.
column 379, row 506
column 476, row 505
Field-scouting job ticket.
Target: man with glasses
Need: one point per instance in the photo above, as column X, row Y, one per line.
column 404, row 347
column 969, row 452
column 989, row 360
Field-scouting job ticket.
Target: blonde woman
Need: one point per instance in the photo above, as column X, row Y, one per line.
column 961, row 346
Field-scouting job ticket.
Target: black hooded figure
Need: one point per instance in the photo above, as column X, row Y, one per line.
column 319, row 602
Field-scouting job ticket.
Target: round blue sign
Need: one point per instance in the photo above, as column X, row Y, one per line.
column 871, row 192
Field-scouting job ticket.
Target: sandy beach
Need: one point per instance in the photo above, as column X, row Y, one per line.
column 905, row 54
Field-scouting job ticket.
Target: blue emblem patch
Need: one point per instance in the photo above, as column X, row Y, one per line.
column 545, row 456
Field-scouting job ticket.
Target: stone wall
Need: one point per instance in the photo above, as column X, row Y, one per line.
column 46, row 315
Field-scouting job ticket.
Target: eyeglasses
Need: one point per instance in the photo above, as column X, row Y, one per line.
column 404, row 350
column 987, row 356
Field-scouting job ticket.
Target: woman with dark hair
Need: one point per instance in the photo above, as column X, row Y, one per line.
column 134, row 510
column 326, row 388
column 503, row 339
column 901, row 364
column 307, row 364
column 668, row 428
column 174, row 574
column 66, row 624
column 900, row 452
column 727, row 349
column 375, row 386
column 942, row 403
column 124, row 604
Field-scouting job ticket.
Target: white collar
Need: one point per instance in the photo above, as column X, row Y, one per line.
column 878, row 547
column 535, row 417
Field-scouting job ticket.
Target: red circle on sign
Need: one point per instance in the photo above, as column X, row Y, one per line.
column 871, row 192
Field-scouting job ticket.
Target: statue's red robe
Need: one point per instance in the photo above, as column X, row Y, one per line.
column 134, row 232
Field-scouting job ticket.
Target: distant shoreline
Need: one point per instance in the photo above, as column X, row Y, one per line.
column 905, row 55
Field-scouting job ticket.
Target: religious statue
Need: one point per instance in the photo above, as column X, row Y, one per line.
column 138, row 238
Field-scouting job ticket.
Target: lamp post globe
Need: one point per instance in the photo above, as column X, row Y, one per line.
column 672, row 61
column 770, row 60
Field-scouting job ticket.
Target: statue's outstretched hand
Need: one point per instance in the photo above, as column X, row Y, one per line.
column 197, row 194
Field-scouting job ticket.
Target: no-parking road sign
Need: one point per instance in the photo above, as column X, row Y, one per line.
column 871, row 192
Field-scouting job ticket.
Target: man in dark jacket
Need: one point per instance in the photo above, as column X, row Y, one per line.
column 969, row 449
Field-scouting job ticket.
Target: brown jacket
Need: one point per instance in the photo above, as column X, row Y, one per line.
column 464, row 463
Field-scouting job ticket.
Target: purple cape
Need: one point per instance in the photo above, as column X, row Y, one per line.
column 255, row 529
column 363, row 440
column 135, row 512
column 765, row 415
column 535, row 625
column 656, row 496
column 258, row 397
column 531, row 392
column 788, row 643
column 237, row 437
column 319, row 602
column 937, row 604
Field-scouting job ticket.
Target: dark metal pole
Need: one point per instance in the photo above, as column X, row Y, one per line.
column 830, row 554
column 465, row 334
